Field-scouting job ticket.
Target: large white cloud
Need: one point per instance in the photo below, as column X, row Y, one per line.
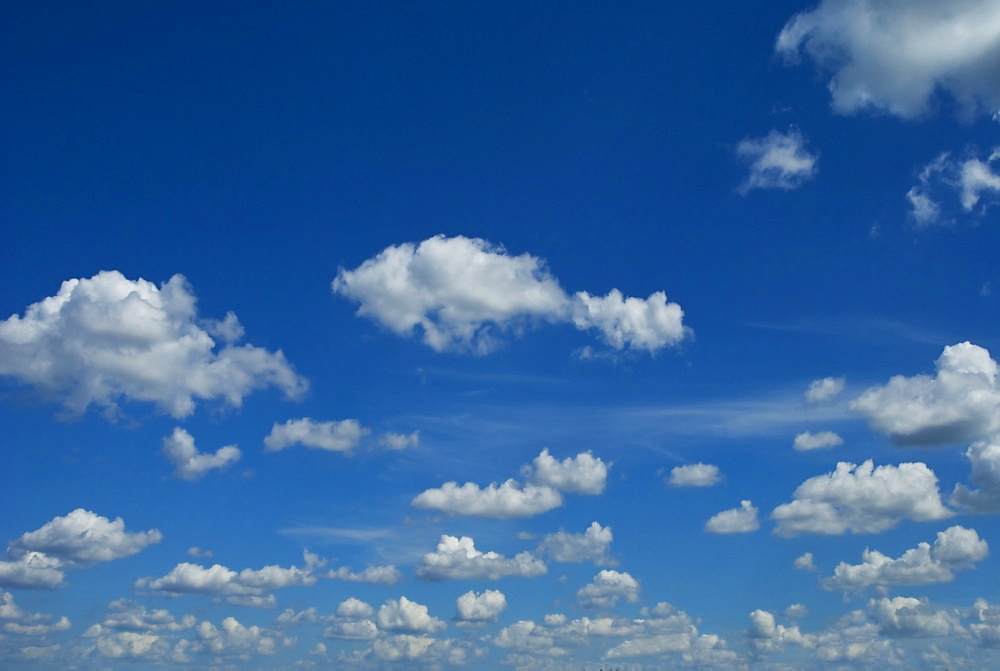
column 985, row 458
column 861, row 499
column 592, row 545
column 960, row 403
column 694, row 475
column 734, row 521
column 947, row 181
column 405, row 616
column 903, row 616
column 108, row 338
column 32, row 570
column 607, row 588
column 476, row 608
column 895, row 56
column 955, row 548
column 189, row 463
column 466, row 294
column 458, row 558
column 777, row 161
column 342, row 436
column 582, row 474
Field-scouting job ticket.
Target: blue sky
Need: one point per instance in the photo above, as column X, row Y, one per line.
column 500, row 335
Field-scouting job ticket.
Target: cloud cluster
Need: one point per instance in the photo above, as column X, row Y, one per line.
column 971, row 181
column 466, row 294
column 458, row 559
column 694, row 475
column 107, row 338
column 607, row 588
column 960, row 403
column 734, row 521
column 592, row 545
column 548, row 477
column 861, row 499
column 894, row 56
column 955, row 548
column 14, row 620
column 189, row 463
column 478, row 608
column 777, row 161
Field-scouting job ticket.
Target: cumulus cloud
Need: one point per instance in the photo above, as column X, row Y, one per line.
column 946, row 182
column 861, row 499
column 189, row 463
column 405, row 616
column 341, row 436
column 476, row 608
column 107, row 338
column 126, row 644
column 17, row 621
column 823, row 440
column 765, row 634
column 592, row 545
column 400, row 441
column 824, row 389
column 125, row 615
column 734, row 521
column 375, row 575
column 233, row 638
column 777, row 161
column 955, row 548
column 894, row 56
column 458, row 558
column 466, row 294
column 607, row 588
column 694, row 475
column 903, row 617
column 960, row 403
column 32, row 570
column 582, row 474
column 805, row 562
column 985, row 458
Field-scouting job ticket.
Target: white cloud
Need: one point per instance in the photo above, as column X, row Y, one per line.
column 861, row 499
column 232, row 638
column 125, row 615
column 376, row 575
column 962, row 402
column 108, row 338
column 766, row 634
column 945, row 182
column 823, row 440
column 908, row 617
column 189, row 463
column 824, row 389
column 734, row 521
column 796, row 610
column 485, row 607
column 694, row 475
column 466, row 294
column 505, row 501
column 986, row 629
column 27, row 624
column 607, row 588
column 127, row 644
column 592, row 545
column 407, row 616
column 458, row 558
column 985, row 459
column 341, row 436
column 777, row 161
column 400, row 441
column 805, row 562
column 894, row 56
column 199, row 552
column 81, row 538
column 32, row 570
column 955, row 548
column 582, row 474
column 353, row 607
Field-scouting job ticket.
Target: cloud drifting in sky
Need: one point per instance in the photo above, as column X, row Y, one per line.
column 777, row 161
column 466, row 294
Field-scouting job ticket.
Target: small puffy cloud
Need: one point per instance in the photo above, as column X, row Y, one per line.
column 734, row 521
column 233, row 638
column 582, row 474
column 960, row 403
column 607, row 588
column 765, row 634
column 805, row 562
column 895, row 56
column 356, row 608
column 955, row 548
column 985, row 458
column 341, row 436
column 458, row 559
column 375, row 575
column 466, row 294
column 107, row 338
column 946, row 182
column 405, row 616
column 823, row 440
column 189, row 463
column 905, row 617
column 508, row 500
column 824, row 389
column 400, row 441
column 592, row 545
column 796, row 610
column 694, row 475
column 777, row 161
column 861, row 499
column 127, row 644
column 125, row 615
column 475, row 608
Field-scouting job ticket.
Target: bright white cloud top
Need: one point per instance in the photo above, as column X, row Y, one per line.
column 103, row 339
column 592, row 545
column 189, row 463
column 467, row 294
column 458, row 559
column 342, row 436
column 777, row 161
column 694, row 475
column 485, row 607
column 734, row 521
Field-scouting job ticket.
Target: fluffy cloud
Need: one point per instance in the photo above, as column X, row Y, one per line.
column 985, row 459
column 232, row 638
column 485, row 607
column 458, row 558
column 400, row 441
column 466, row 294
column 946, row 181
column 777, row 161
column 407, row 616
column 341, row 436
column 126, row 644
column 734, row 521
column 824, row 389
column 805, row 562
column 902, row 616
column 582, row 474
column 962, row 402
column 816, row 441
column 125, row 615
column 955, row 548
column 694, row 475
column 894, row 56
column 189, row 463
column 861, row 499
column 32, row 570
column 607, row 588
column 765, row 634
column 592, row 545
column 375, row 575
column 16, row 621
column 108, row 338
